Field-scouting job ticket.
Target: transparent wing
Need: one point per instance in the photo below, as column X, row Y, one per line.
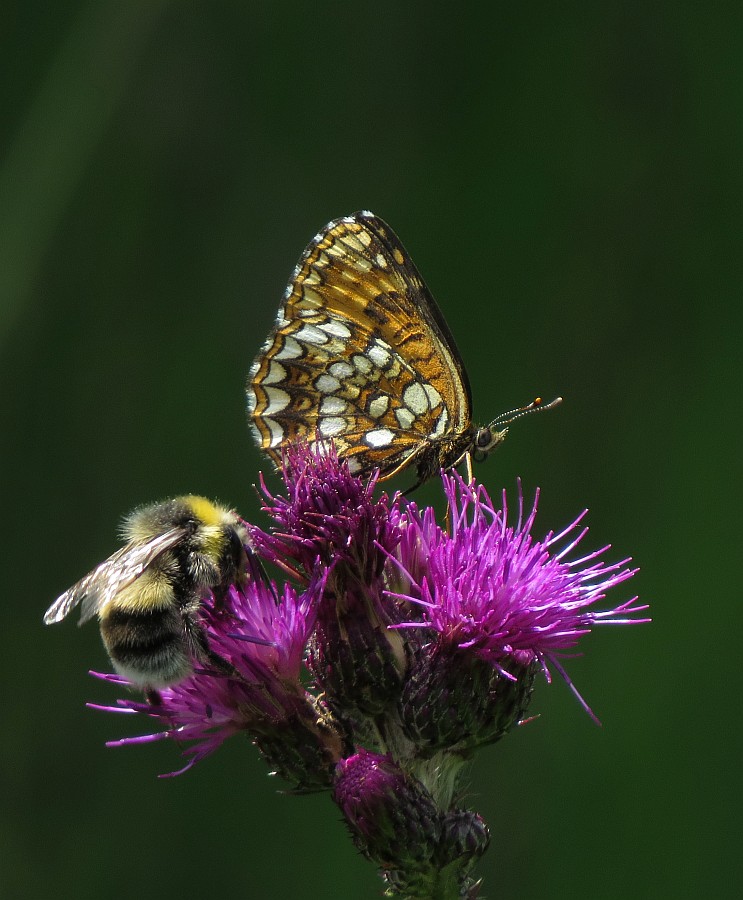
column 111, row 576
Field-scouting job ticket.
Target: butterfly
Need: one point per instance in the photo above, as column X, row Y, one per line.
column 361, row 355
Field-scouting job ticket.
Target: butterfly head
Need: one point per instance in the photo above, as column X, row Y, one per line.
column 488, row 437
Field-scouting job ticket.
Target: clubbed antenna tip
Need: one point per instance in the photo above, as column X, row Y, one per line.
column 536, row 405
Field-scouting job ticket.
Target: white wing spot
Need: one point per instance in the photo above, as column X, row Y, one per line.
column 414, row 397
column 380, row 437
column 379, row 353
column 252, row 400
column 332, row 426
column 442, row 424
column 434, row 397
column 405, row 418
column 381, row 261
column 341, row 369
column 379, row 406
column 308, row 334
column 327, row 384
column 362, row 363
column 277, row 400
column 277, row 432
column 291, row 350
column 276, row 373
column 336, row 328
column 332, row 406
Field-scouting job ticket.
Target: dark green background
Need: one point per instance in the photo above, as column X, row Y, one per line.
column 568, row 179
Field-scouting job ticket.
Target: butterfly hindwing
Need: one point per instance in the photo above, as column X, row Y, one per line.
column 360, row 353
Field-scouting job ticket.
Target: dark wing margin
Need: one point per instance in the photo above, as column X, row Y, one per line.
column 435, row 318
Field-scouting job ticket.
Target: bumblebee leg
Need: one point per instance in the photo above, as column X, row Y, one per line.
column 253, row 570
column 256, row 564
column 198, row 645
column 220, row 664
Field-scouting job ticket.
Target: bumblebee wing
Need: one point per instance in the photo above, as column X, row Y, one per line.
column 111, row 576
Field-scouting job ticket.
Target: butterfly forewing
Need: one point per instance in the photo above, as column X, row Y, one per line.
column 360, row 354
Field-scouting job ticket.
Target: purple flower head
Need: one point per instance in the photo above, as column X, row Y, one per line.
column 263, row 635
column 330, row 517
column 453, row 701
column 496, row 592
column 421, row 644
column 271, row 629
column 329, row 514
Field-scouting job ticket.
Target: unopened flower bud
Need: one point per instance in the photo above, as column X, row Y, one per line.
column 454, row 700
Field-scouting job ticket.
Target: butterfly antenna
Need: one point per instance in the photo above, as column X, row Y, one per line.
column 536, row 405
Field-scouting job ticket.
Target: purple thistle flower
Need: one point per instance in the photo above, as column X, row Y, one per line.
column 421, row 644
column 327, row 514
column 493, row 590
column 330, row 517
column 265, row 641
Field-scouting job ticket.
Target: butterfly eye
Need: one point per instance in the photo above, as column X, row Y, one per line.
column 483, row 438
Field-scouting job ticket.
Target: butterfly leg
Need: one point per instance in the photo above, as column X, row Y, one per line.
column 468, row 465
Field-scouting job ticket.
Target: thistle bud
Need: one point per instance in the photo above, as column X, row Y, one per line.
column 454, row 700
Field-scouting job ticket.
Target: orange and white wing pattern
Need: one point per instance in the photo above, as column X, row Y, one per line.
column 360, row 354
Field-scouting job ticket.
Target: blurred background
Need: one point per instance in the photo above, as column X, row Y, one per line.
column 567, row 178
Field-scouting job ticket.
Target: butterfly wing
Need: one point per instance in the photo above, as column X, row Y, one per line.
column 360, row 354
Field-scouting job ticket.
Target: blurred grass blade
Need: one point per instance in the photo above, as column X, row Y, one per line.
column 52, row 147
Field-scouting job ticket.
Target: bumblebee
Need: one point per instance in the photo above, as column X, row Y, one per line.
column 148, row 595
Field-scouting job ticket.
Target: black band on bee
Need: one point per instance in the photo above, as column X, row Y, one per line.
column 148, row 640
